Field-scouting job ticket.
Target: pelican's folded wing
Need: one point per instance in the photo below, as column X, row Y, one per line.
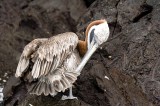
column 52, row 53
column 26, row 55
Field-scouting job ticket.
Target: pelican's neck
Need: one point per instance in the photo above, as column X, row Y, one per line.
column 82, row 47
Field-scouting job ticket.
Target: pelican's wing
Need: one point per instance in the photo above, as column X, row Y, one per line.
column 26, row 55
column 59, row 80
column 53, row 83
column 52, row 53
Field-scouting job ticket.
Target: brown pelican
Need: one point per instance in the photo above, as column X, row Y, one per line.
column 56, row 60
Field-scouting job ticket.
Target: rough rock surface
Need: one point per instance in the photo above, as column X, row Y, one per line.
column 124, row 73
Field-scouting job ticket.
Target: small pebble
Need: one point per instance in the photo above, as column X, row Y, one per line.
column 4, row 81
column 5, row 74
column 30, row 105
column 109, row 57
column 106, row 77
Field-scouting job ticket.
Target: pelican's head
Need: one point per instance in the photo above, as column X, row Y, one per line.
column 97, row 32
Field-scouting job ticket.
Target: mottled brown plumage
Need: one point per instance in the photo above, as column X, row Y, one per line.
column 56, row 61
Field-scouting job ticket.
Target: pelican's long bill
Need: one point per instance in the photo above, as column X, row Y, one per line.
column 86, row 57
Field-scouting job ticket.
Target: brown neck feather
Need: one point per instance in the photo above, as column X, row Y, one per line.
column 82, row 45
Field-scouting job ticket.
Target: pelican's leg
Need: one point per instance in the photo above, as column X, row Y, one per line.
column 64, row 97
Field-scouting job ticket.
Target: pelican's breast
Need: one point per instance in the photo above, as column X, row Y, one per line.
column 72, row 62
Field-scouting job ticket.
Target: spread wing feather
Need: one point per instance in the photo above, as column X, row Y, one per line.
column 47, row 54
column 48, row 58
column 54, row 83
column 26, row 55
column 52, row 53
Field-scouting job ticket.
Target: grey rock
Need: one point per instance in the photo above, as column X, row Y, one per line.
column 124, row 73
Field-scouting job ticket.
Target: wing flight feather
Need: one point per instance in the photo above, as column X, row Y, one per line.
column 26, row 55
column 52, row 53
